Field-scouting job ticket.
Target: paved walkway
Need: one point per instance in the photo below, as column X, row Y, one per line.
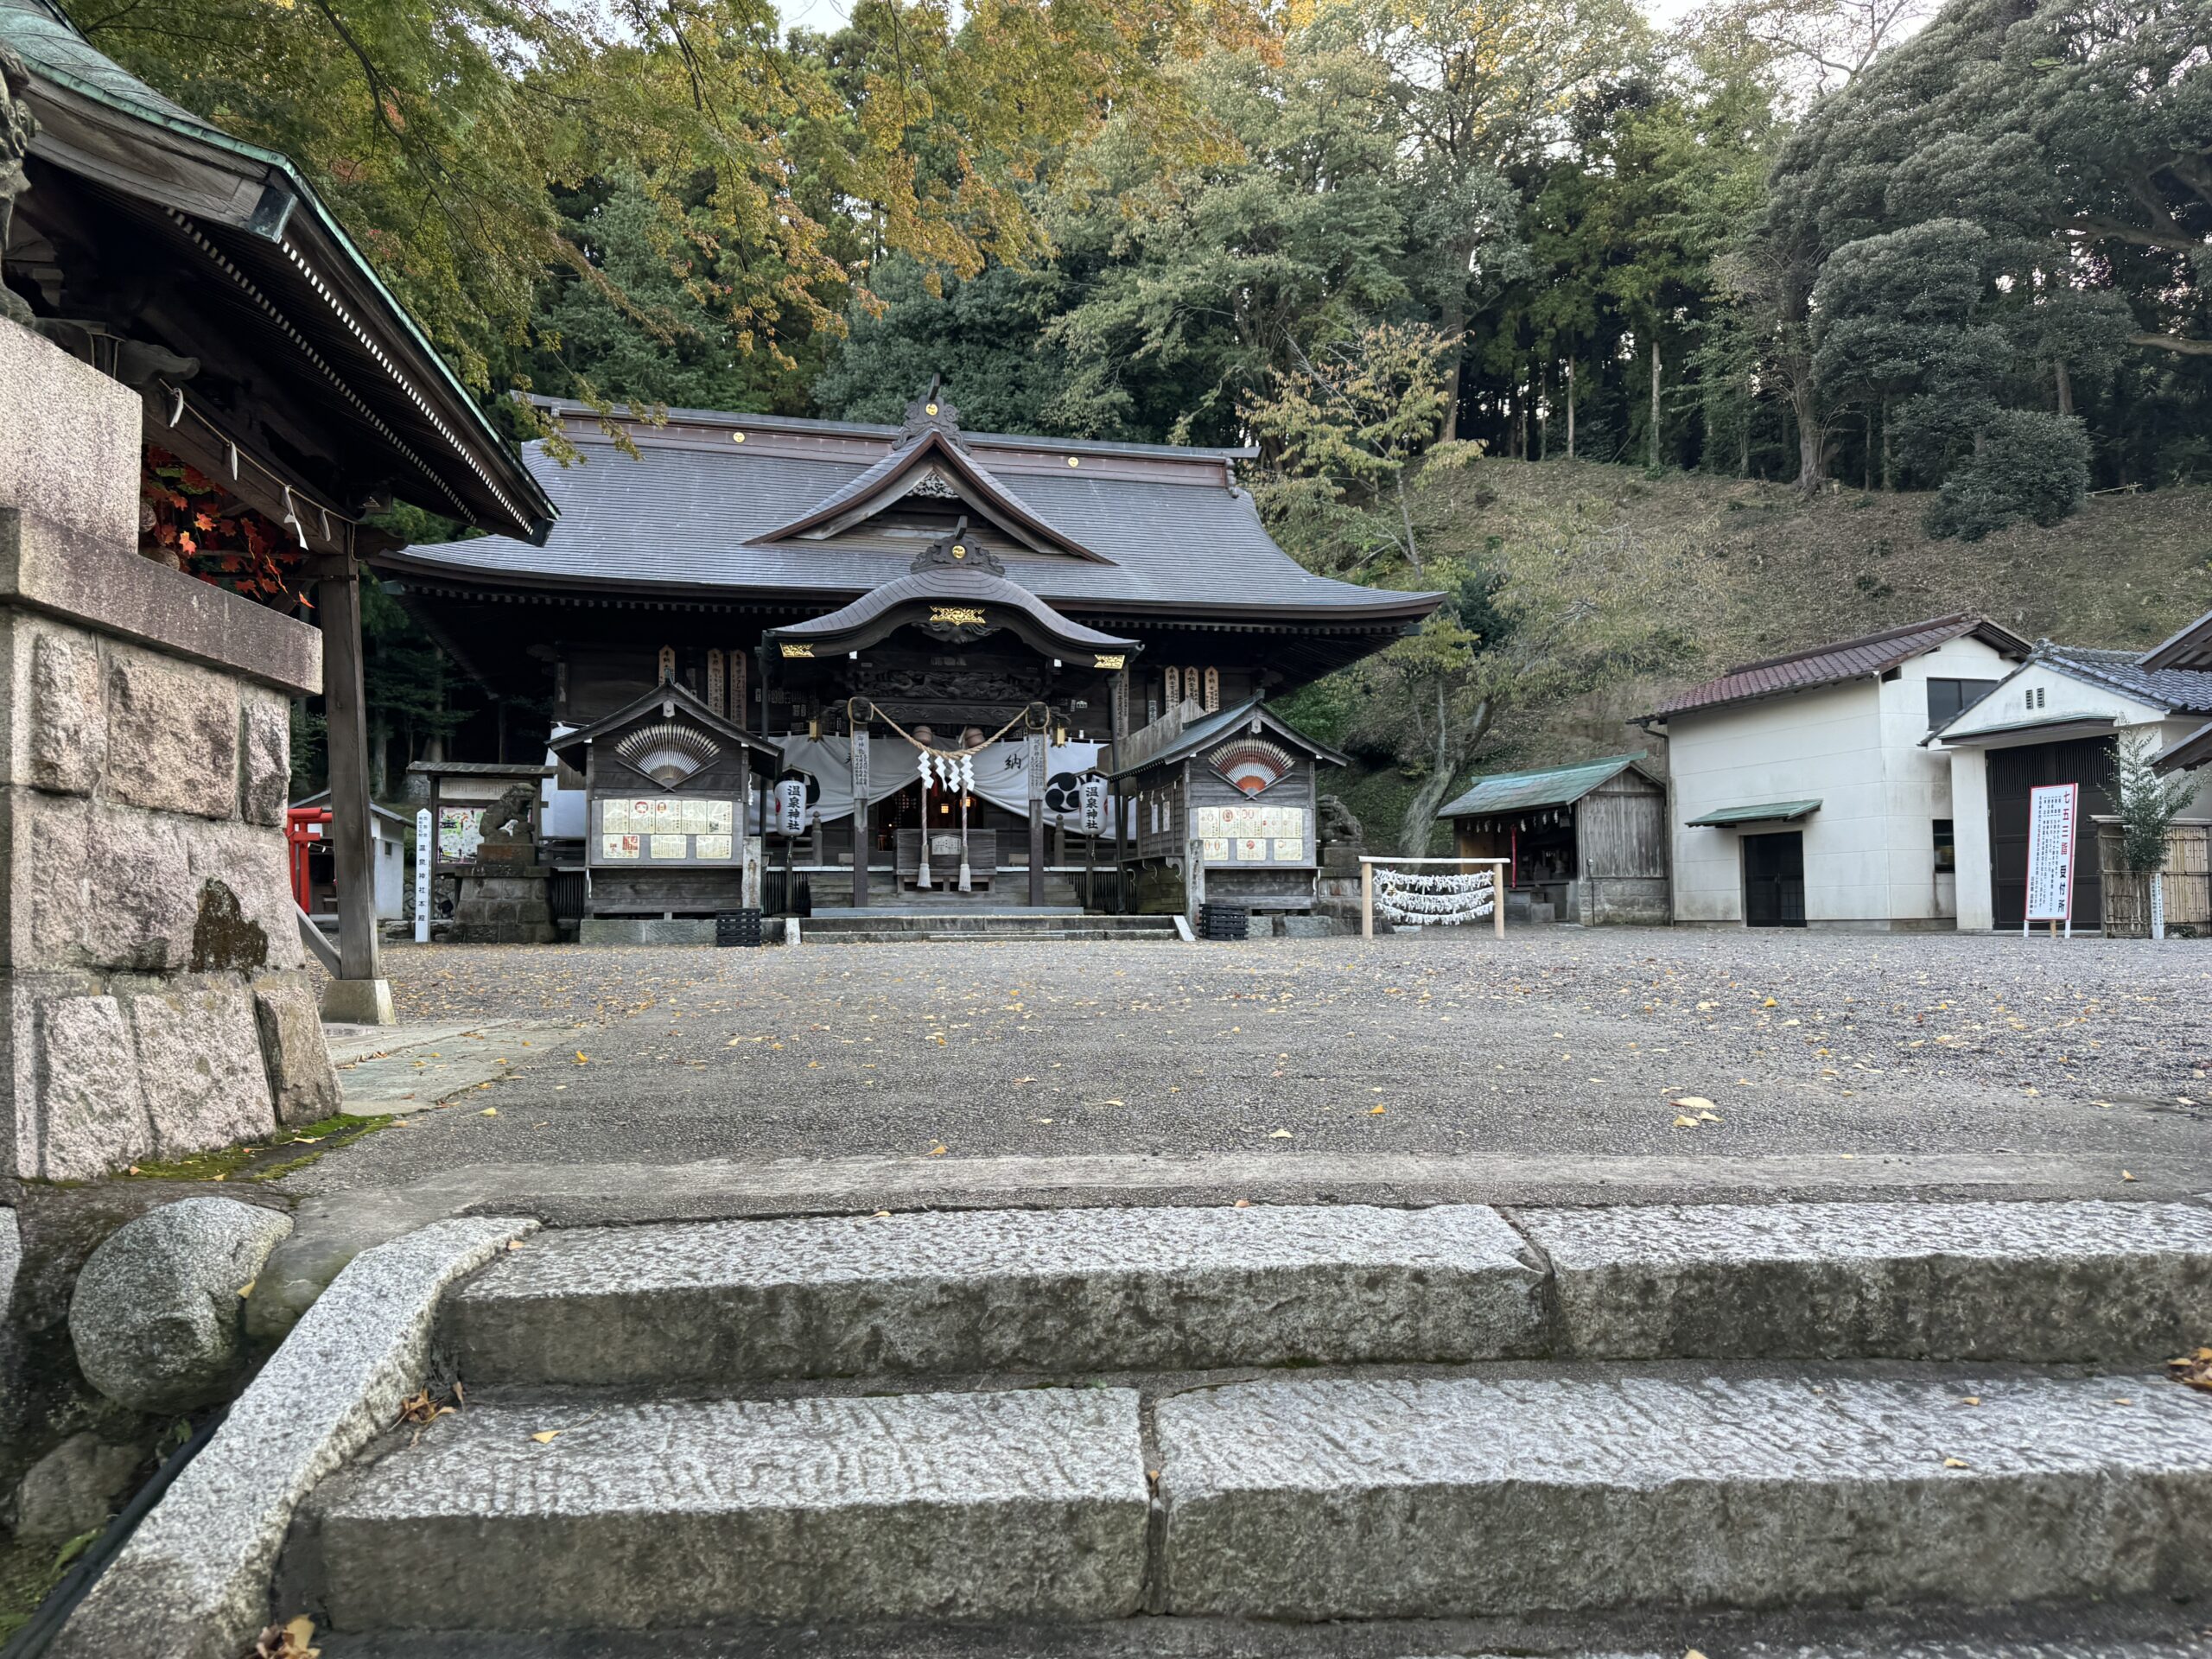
column 1937, row 1061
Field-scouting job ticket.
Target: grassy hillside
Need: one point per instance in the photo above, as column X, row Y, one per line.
column 1750, row 570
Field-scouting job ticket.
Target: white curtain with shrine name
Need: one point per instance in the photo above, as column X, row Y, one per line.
column 1001, row 772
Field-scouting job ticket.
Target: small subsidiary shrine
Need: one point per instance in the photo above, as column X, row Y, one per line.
column 886, row 666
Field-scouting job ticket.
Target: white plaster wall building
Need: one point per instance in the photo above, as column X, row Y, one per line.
column 1803, row 792
column 2054, row 720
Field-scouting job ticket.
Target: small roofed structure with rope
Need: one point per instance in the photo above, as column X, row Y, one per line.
column 1584, row 843
column 286, row 397
column 1226, row 806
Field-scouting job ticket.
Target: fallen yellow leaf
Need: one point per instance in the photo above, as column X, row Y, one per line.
column 1375, row 1111
column 1280, row 1134
column 1692, row 1103
column 937, row 1151
column 1955, row 1463
column 489, row 1111
column 546, row 1436
column 1684, row 1123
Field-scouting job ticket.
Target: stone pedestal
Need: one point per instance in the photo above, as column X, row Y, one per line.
column 1336, row 885
column 503, row 903
column 154, row 999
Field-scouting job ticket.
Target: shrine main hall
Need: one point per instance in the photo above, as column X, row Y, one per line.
column 821, row 663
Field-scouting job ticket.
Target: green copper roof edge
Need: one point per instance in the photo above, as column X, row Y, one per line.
column 1608, row 766
column 1771, row 812
column 206, row 133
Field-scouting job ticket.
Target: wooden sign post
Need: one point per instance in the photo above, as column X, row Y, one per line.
column 2053, row 812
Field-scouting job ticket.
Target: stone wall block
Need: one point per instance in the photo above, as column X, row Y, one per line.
column 302, row 1080
column 76, row 463
column 251, row 862
column 143, row 903
column 173, row 737
column 92, row 1111
column 200, row 1064
column 266, row 784
column 47, row 840
column 69, row 727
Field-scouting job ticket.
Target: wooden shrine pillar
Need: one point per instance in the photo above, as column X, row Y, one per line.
column 1036, row 819
column 360, row 995
column 860, row 816
column 1121, row 805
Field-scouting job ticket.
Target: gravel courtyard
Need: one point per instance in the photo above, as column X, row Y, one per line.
column 1553, row 1044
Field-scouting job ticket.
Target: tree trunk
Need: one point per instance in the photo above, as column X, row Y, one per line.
column 1570, row 408
column 1543, row 410
column 1870, row 451
column 380, row 759
column 1655, row 402
column 1889, row 451
column 1406, row 517
column 1454, row 324
column 2065, row 386
column 1811, row 457
column 1447, row 757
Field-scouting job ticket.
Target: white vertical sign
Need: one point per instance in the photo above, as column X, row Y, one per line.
column 426, row 846
column 2052, row 810
column 1092, row 820
column 790, row 806
column 860, row 782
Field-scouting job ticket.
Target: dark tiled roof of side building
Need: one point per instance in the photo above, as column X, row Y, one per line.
column 1845, row 660
column 2183, row 690
column 694, row 510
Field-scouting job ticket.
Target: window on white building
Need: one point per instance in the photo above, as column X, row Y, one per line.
column 1947, row 699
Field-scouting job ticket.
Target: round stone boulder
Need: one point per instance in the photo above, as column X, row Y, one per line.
column 155, row 1317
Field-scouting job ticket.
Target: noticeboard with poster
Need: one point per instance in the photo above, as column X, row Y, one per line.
column 664, row 829
column 1248, row 836
column 461, row 832
column 2054, row 811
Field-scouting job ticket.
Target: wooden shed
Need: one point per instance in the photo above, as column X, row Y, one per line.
column 1222, row 806
column 1583, row 844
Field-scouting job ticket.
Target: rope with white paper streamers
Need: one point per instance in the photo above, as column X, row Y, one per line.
column 1433, row 900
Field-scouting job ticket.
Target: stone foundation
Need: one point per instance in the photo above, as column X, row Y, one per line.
column 154, row 999
column 504, row 905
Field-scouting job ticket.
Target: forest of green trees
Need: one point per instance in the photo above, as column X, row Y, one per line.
column 1845, row 244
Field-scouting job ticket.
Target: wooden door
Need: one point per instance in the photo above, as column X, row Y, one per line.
column 1774, row 880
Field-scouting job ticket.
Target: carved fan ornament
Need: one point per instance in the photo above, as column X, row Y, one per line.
column 1252, row 764
column 668, row 752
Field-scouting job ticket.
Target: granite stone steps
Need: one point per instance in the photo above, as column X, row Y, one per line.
column 1295, row 1418
column 1070, row 1292
column 952, row 1292
column 1545, row 1489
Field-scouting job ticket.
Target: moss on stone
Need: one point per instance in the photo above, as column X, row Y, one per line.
column 260, row 1161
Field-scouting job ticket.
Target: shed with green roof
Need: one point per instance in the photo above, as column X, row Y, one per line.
column 1584, row 843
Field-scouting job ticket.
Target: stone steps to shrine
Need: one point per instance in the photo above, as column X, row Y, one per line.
column 1543, row 1488
column 1278, row 1417
column 1061, row 1292
column 949, row 924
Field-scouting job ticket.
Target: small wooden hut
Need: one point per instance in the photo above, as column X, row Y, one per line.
column 1583, row 844
column 1222, row 806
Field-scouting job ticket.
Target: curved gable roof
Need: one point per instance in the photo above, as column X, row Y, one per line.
column 888, row 481
column 696, row 511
